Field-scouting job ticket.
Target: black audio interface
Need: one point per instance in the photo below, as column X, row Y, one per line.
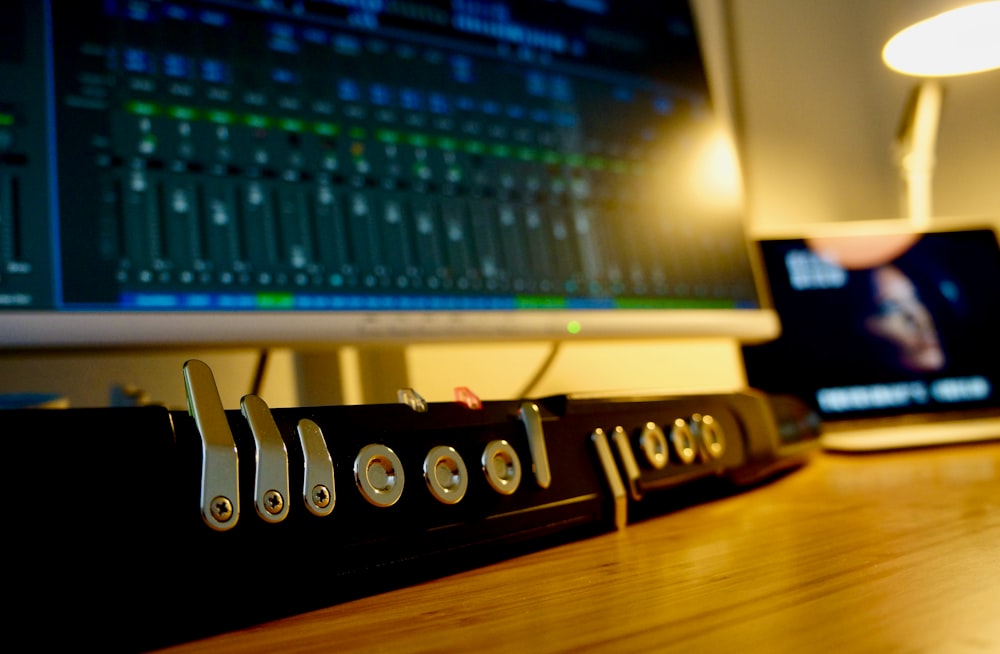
column 143, row 527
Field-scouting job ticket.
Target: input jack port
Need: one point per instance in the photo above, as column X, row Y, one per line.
column 446, row 474
column 379, row 475
column 502, row 467
column 713, row 440
column 683, row 441
column 653, row 443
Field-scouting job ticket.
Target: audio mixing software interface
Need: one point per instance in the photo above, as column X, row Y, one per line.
column 357, row 154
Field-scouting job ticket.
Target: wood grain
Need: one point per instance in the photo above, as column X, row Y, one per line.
column 892, row 552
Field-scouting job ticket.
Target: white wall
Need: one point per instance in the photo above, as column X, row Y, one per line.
column 85, row 378
column 819, row 110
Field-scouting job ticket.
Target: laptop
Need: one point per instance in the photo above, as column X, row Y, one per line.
column 891, row 335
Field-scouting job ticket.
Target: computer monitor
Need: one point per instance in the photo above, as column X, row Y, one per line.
column 356, row 171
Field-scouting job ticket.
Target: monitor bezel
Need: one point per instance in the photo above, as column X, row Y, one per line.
column 122, row 329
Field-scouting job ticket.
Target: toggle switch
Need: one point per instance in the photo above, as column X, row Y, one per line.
column 318, row 490
column 412, row 399
column 220, row 493
column 531, row 417
column 464, row 395
column 607, row 460
column 271, row 481
column 627, row 457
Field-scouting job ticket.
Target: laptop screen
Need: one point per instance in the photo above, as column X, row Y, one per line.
column 883, row 324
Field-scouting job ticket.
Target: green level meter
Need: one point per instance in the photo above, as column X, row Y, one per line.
column 389, row 136
column 275, row 301
column 540, row 302
column 183, row 113
column 142, row 108
column 672, row 303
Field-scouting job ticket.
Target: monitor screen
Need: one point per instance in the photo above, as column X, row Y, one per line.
column 262, row 171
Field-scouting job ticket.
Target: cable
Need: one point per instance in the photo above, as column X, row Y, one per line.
column 258, row 377
column 546, row 365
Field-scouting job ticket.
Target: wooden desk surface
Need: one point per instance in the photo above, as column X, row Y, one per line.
column 894, row 552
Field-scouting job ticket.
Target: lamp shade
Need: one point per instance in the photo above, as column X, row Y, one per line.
column 957, row 42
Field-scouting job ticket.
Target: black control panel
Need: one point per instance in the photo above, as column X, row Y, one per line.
column 190, row 524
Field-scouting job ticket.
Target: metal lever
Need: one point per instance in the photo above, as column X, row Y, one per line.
column 620, row 439
column 270, row 493
column 607, row 461
column 531, row 417
column 220, row 493
column 318, row 490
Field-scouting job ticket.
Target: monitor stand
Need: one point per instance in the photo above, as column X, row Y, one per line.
column 374, row 373
column 370, row 374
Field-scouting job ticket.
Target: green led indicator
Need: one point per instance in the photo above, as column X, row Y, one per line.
column 256, row 120
column 527, row 154
column 474, row 147
column 326, row 129
column 182, row 113
column 597, row 163
column 551, row 157
column 574, row 327
column 6, row 120
column 387, row 136
column 221, row 117
column 418, row 140
column 292, row 124
column 142, row 108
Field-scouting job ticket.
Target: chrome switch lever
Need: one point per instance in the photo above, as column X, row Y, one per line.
column 625, row 454
column 270, row 493
column 318, row 489
column 220, row 493
column 531, row 417
column 611, row 474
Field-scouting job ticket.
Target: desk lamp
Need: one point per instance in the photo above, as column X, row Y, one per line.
column 957, row 42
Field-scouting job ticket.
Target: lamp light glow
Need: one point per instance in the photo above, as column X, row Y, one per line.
column 957, row 42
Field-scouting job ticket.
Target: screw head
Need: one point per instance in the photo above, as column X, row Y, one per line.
column 273, row 502
column 222, row 508
column 321, row 496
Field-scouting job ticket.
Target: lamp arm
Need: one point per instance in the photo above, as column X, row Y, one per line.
column 915, row 148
